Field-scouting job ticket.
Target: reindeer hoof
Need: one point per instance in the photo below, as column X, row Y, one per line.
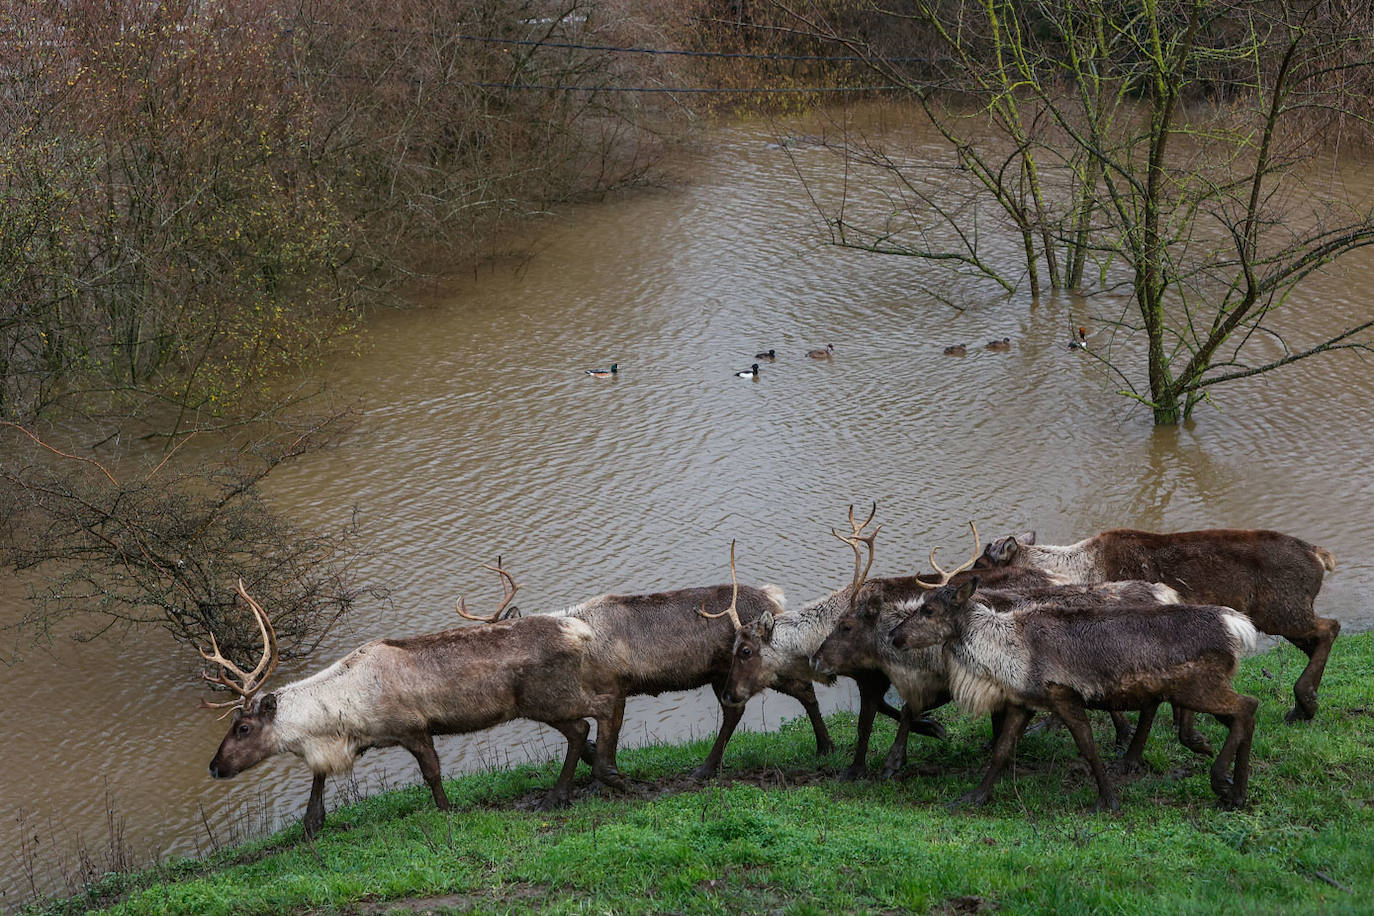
column 1130, row 766
column 610, row 776
column 1108, row 805
column 1197, row 744
column 973, row 797
column 312, row 826
column 1297, row 714
column 823, row 748
column 704, row 772
column 553, row 801
column 854, row 772
column 928, row 727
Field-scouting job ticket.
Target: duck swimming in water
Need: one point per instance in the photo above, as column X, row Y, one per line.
column 769, row 355
column 603, row 373
column 1082, row 342
column 956, row 350
column 821, row 354
column 1000, row 345
column 751, row 372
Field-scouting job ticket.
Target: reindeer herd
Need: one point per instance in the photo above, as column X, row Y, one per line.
column 1124, row 620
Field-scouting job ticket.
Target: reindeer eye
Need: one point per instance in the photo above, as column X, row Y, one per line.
column 244, row 728
column 745, row 652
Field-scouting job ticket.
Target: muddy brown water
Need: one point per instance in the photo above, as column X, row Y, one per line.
column 482, row 435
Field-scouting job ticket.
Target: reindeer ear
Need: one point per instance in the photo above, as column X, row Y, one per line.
column 1027, row 539
column 765, row 623
column 267, row 706
column 966, row 590
column 1000, row 551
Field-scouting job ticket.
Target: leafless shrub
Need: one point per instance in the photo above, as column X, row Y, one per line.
column 166, row 547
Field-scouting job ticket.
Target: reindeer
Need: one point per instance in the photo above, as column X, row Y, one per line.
column 860, row 639
column 404, row 691
column 649, row 644
column 1271, row 578
column 781, row 645
column 1065, row 659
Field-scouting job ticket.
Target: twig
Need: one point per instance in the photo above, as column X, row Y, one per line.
column 61, row 453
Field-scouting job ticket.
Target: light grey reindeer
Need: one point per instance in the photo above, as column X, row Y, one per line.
column 1066, row 659
column 404, row 691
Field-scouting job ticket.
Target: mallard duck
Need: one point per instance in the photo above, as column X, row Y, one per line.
column 751, row 372
column 1082, row 342
column 603, row 373
column 956, row 350
column 821, row 354
column 769, row 355
column 1003, row 344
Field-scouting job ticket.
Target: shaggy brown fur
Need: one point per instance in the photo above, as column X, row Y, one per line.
column 1065, row 660
column 649, row 644
column 404, row 691
column 1270, row 577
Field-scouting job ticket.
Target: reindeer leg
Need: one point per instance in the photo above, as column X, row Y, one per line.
column 314, row 809
column 1240, row 724
column 805, row 693
column 1008, row 728
column 729, row 718
column 575, row 730
column 1188, row 735
column 896, row 755
column 1070, row 709
column 1318, row 649
column 607, row 739
column 422, row 746
column 871, row 690
column 1133, row 759
column 1122, row 727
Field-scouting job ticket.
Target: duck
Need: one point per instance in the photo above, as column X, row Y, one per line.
column 1082, row 342
column 821, row 354
column 603, row 373
column 1000, row 345
column 751, row 372
column 768, row 355
column 956, row 350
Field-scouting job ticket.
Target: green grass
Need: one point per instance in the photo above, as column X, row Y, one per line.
column 779, row 834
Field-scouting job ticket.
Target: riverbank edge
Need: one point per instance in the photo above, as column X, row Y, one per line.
column 779, row 832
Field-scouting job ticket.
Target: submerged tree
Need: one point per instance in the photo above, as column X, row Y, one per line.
column 166, row 546
column 1171, row 144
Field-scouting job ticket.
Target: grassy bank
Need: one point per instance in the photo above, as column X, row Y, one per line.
column 778, row 833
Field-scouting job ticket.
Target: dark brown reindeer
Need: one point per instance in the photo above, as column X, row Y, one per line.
column 777, row 645
column 392, row 692
column 1068, row 659
column 861, row 638
column 654, row 643
column 1271, row 578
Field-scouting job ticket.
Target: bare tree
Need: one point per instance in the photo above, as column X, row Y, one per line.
column 1172, row 144
column 166, row 546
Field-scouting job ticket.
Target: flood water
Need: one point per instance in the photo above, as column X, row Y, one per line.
column 482, row 436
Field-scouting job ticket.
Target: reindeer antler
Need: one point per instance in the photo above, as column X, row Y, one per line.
column 508, row 590
column 946, row 576
column 854, row 540
column 250, row 682
column 734, row 595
